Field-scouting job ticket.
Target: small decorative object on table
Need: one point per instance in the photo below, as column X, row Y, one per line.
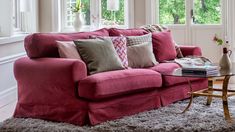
column 78, row 21
column 225, row 62
column 195, row 65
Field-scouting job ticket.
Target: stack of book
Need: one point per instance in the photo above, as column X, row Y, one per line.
column 201, row 70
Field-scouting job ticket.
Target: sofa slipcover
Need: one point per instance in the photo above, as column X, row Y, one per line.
column 113, row 83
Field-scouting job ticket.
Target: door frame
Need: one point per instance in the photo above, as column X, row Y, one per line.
column 189, row 27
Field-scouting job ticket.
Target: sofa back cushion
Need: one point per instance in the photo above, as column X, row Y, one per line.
column 67, row 49
column 163, row 46
column 44, row 44
column 127, row 32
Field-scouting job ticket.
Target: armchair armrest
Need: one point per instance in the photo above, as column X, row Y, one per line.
column 190, row 50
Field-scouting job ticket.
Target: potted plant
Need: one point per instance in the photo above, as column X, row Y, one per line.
column 78, row 17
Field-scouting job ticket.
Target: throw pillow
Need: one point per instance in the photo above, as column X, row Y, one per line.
column 99, row 55
column 67, row 49
column 160, row 28
column 134, row 40
column 141, row 55
column 119, row 44
column 163, row 46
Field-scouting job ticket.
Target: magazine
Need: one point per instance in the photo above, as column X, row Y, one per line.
column 197, row 65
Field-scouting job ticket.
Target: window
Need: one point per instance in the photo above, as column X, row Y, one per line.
column 207, row 12
column 95, row 14
column 16, row 15
column 172, row 12
column 109, row 17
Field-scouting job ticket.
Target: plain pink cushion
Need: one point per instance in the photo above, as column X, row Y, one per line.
column 127, row 32
column 163, row 46
column 44, row 44
column 166, row 68
column 113, row 83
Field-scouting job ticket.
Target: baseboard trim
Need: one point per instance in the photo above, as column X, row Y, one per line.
column 11, row 58
column 8, row 96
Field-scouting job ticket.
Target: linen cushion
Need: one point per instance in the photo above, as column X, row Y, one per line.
column 99, row 55
column 135, row 40
column 67, row 49
column 114, row 83
column 140, row 51
column 119, row 44
column 141, row 55
column 127, row 32
column 40, row 45
column 163, row 46
column 166, row 68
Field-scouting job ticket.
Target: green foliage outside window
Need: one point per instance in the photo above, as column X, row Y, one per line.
column 85, row 5
column 205, row 12
column 172, row 11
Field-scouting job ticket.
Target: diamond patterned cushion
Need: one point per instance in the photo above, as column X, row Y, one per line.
column 121, row 49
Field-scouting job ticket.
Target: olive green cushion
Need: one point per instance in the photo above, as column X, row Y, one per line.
column 99, row 55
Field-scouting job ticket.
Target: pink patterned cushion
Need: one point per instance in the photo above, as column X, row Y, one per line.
column 121, row 49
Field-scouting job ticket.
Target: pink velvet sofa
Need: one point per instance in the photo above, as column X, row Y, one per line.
column 60, row 89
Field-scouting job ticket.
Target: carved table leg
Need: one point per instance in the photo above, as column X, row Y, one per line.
column 225, row 98
column 191, row 96
column 210, row 91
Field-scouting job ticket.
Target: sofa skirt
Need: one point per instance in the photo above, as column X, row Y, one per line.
column 128, row 105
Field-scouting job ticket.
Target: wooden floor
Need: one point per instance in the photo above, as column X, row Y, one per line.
column 8, row 110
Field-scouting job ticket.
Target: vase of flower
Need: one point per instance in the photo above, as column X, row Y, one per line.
column 78, row 21
column 225, row 61
column 77, row 24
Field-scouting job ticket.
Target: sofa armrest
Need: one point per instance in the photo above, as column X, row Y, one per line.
column 46, row 89
column 190, row 50
column 47, row 79
column 48, row 68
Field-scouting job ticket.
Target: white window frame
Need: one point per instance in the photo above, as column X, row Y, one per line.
column 95, row 10
column 152, row 14
column 17, row 15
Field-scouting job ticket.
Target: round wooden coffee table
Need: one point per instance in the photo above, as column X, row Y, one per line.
column 222, row 93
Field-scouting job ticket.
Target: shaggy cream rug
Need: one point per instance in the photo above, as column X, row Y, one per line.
column 199, row 118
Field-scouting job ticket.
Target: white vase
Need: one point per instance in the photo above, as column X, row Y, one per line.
column 225, row 62
column 77, row 24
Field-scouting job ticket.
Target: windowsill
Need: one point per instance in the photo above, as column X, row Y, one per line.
column 90, row 28
column 14, row 38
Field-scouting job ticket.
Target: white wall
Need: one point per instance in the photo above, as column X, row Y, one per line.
column 10, row 50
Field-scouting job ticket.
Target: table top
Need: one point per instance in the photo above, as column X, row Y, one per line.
column 178, row 73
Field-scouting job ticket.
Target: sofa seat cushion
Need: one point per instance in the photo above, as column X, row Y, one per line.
column 114, row 83
column 165, row 68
